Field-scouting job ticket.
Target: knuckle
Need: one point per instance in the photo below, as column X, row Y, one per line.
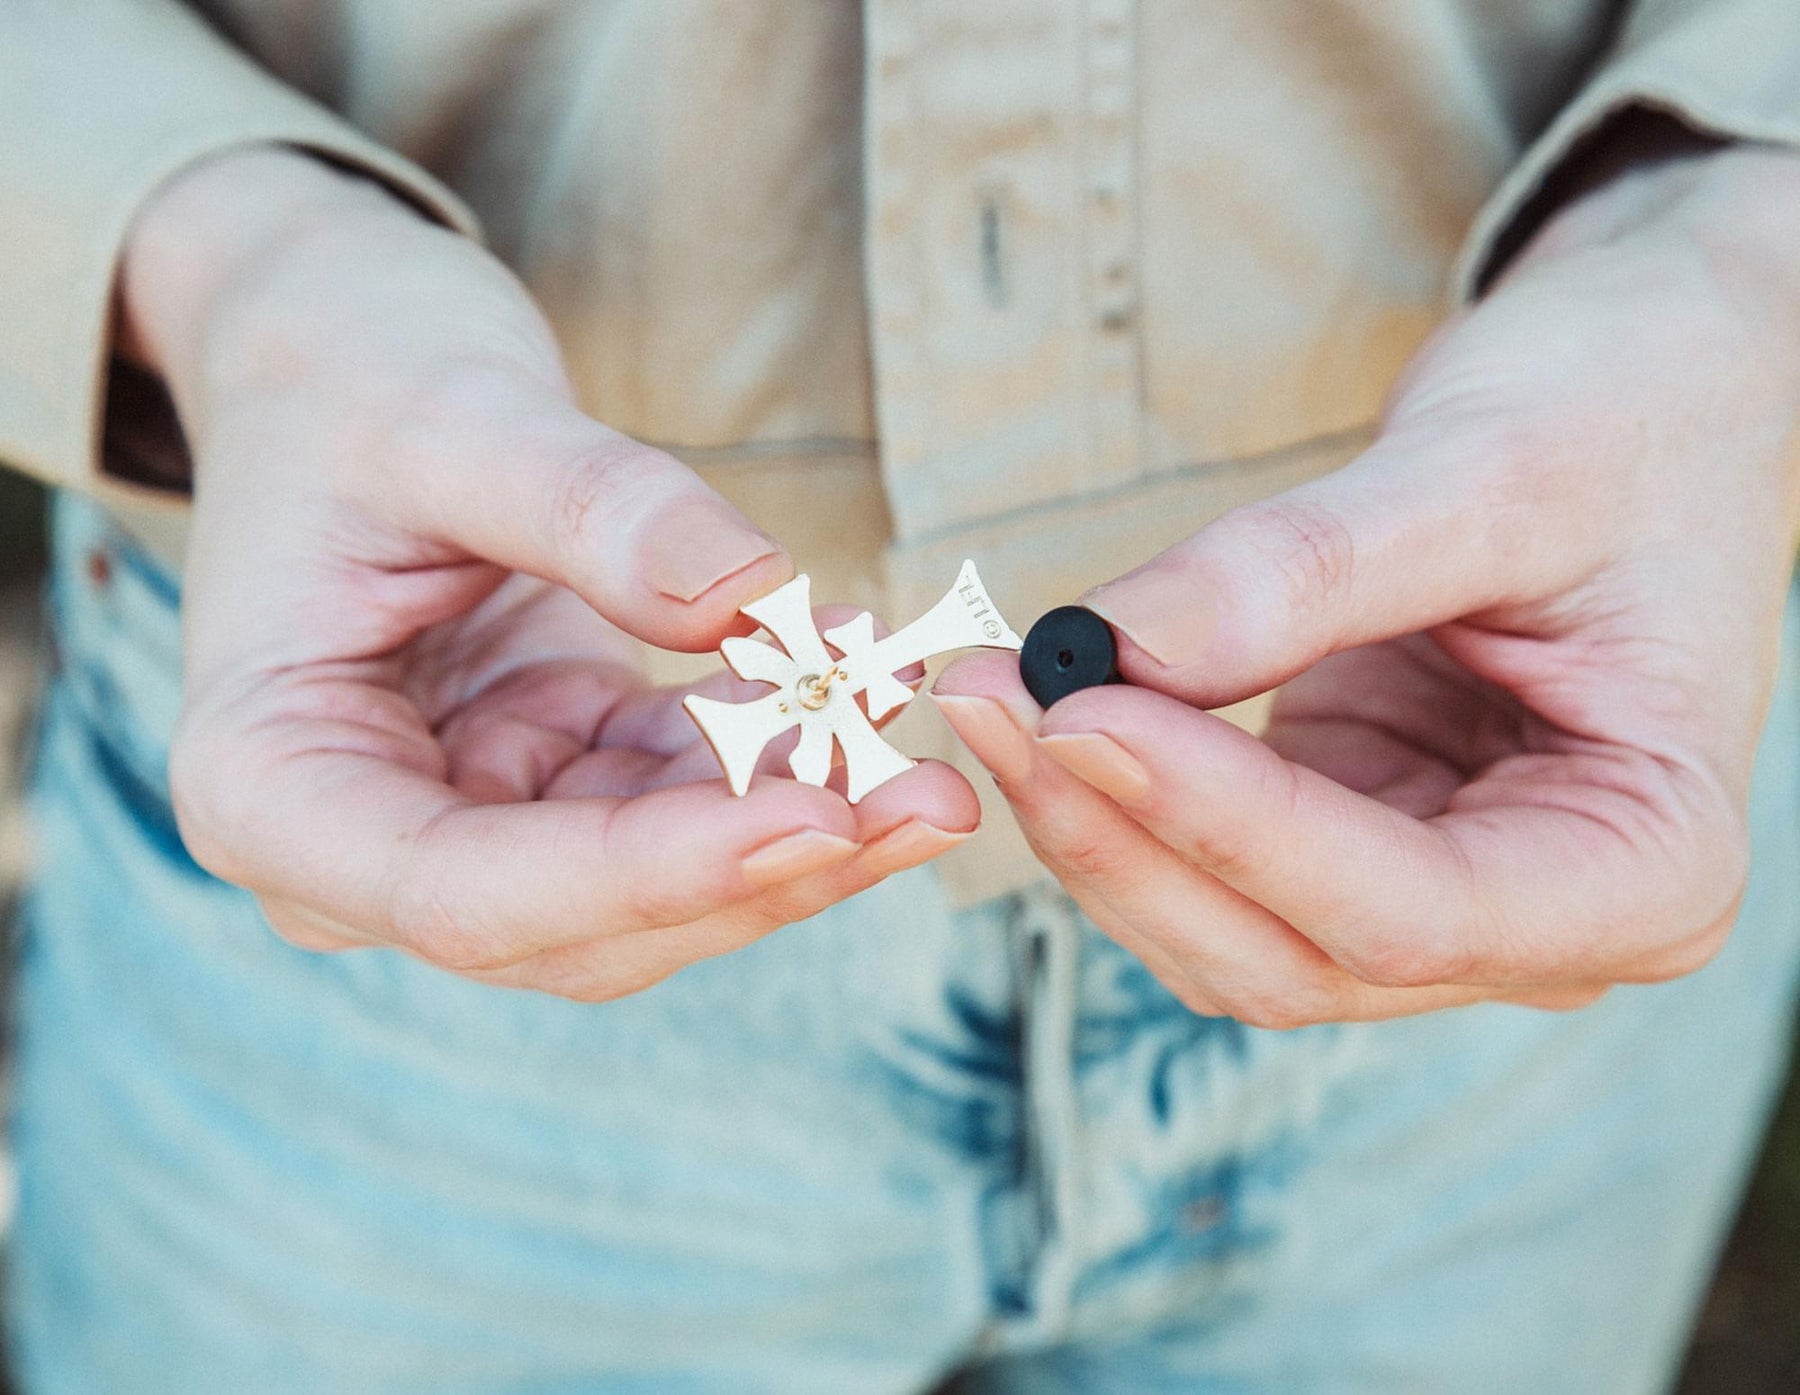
column 654, row 903
column 1393, row 960
column 588, row 487
column 1689, row 955
column 1194, row 998
column 644, row 897
column 427, row 922
column 301, row 930
column 594, row 974
column 1696, row 926
column 1570, row 999
column 1232, row 860
column 1237, row 850
column 285, row 922
column 1279, row 1012
column 1307, row 546
column 203, row 806
column 1729, row 878
column 609, row 988
column 1091, row 859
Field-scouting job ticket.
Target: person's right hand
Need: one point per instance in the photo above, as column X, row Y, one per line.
column 407, row 719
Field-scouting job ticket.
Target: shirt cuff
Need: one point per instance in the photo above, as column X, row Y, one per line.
column 1725, row 68
column 106, row 100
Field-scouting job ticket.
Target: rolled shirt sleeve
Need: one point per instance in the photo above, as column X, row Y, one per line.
column 100, row 102
column 1725, row 68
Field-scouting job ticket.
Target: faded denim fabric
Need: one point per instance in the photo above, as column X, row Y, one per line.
column 881, row 1147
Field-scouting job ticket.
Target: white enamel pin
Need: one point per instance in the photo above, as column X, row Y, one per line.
column 817, row 692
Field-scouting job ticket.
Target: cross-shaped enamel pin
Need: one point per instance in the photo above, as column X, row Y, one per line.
column 816, row 691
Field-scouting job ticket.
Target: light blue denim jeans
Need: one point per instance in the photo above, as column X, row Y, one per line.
column 882, row 1147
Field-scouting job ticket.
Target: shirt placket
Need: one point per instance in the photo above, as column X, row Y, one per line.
column 1001, row 254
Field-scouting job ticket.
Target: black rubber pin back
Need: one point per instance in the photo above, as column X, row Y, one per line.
column 1070, row 648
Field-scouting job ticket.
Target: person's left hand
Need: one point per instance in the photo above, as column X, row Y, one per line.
column 1527, row 638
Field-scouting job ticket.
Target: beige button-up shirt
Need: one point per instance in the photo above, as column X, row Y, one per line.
column 1046, row 283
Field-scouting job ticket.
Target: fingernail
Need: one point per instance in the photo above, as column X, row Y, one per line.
column 1100, row 761
column 991, row 731
column 797, row 855
column 1171, row 617
column 911, row 843
column 700, row 543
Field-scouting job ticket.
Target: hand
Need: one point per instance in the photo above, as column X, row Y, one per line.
column 412, row 714
column 1527, row 639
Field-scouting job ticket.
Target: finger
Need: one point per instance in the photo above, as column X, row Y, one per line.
column 911, row 819
column 307, row 929
column 1213, row 947
column 495, row 757
column 540, row 643
column 1110, row 868
column 1397, row 541
column 1420, row 727
column 1570, row 999
column 1548, row 868
column 405, row 859
column 511, row 740
column 525, row 480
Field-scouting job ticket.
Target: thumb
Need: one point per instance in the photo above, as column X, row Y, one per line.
column 630, row 529
column 1399, row 540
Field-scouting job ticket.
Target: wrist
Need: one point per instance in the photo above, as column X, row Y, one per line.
column 211, row 228
column 1736, row 204
column 1744, row 215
